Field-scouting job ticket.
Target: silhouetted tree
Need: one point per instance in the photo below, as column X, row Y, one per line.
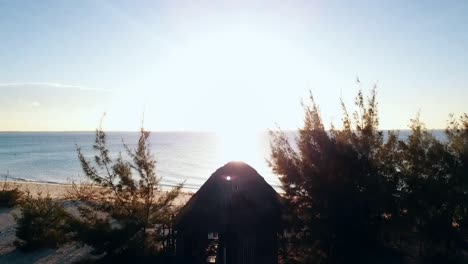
column 126, row 212
column 350, row 190
column 422, row 170
column 435, row 185
column 337, row 183
column 457, row 134
column 456, row 207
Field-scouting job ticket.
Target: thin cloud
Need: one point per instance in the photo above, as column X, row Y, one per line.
column 35, row 104
column 54, row 85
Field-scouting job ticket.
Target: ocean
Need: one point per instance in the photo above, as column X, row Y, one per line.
column 189, row 157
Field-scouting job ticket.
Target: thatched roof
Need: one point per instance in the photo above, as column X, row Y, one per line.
column 235, row 195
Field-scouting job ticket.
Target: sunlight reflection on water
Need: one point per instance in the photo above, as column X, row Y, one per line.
column 181, row 156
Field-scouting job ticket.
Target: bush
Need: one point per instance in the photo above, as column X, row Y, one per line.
column 42, row 222
column 9, row 194
column 9, row 198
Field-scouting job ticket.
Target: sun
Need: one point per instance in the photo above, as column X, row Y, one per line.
column 238, row 145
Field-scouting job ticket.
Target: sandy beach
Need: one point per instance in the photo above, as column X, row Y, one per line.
column 68, row 253
column 55, row 190
column 59, row 191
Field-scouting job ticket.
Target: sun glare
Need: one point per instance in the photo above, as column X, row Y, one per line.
column 238, row 145
column 231, row 72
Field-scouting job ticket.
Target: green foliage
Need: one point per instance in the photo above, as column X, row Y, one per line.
column 42, row 222
column 347, row 187
column 126, row 210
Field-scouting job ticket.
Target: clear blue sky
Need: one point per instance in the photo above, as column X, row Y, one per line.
column 215, row 65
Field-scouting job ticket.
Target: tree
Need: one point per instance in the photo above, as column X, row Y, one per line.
column 457, row 146
column 126, row 212
column 434, row 191
column 337, row 183
column 457, row 135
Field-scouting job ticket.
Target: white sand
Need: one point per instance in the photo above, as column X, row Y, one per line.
column 68, row 253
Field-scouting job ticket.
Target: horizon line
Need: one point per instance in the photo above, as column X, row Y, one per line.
column 179, row 131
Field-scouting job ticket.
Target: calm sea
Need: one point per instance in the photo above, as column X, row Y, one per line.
column 181, row 156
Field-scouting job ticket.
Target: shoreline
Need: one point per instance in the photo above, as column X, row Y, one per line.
column 59, row 190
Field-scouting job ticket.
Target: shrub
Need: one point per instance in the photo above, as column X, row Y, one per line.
column 42, row 222
column 9, row 195
column 9, row 198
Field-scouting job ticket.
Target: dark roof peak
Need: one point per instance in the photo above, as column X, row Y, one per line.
column 235, row 190
column 236, row 168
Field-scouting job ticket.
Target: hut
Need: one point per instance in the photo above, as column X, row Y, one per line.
column 234, row 218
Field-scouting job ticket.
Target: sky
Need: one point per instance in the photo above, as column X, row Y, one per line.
column 227, row 65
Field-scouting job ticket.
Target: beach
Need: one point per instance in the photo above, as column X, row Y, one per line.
column 68, row 253
column 59, row 191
